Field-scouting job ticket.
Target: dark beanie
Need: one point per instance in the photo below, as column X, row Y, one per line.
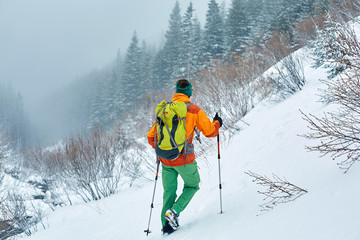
column 184, row 86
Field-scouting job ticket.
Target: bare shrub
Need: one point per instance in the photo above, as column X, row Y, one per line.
column 290, row 76
column 277, row 47
column 4, row 152
column 278, row 190
column 227, row 88
column 19, row 216
column 306, row 29
column 1, row 181
column 338, row 133
column 263, row 87
column 89, row 166
column 47, row 164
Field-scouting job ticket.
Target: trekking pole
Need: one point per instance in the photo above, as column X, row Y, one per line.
column 153, row 196
column 220, row 187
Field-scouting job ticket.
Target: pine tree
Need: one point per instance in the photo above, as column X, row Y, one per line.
column 190, row 54
column 116, row 75
column 260, row 23
column 131, row 74
column 172, row 48
column 197, row 52
column 107, row 101
column 321, row 6
column 182, row 66
column 146, row 58
column 222, row 7
column 328, row 49
column 118, row 66
column 158, row 74
column 283, row 16
column 257, row 19
column 12, row 116
column 97, row 112
column 131, row 80
column 237, row 27
column 305, row 9
column 214, row 32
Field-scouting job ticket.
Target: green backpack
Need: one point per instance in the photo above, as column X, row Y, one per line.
column 170, row 137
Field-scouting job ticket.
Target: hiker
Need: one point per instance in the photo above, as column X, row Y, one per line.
column 185, row 163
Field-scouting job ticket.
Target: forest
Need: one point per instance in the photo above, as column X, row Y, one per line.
column 246, row 31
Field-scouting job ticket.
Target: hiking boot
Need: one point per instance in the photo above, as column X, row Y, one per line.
column 167, row 229
column 172, row 217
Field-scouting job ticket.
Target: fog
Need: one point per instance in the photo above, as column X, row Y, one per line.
column 46, row 44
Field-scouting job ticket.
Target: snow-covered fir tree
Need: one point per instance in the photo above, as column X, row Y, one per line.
column 327, row 49
column 237, row 27
column 196, row 53
column 146, row 58
column 96, row 116
column 12, row 116
column 190, row 52
column 254, row 13
column 131, row 76
column 157, row 70
column 167, row 58
column 213, row 41
column 183, row 62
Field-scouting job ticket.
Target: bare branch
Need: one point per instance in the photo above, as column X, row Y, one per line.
column 278, row 190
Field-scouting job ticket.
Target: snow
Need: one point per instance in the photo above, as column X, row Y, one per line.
column 271, row 144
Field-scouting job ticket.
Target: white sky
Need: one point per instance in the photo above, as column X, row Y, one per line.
column 45, row 44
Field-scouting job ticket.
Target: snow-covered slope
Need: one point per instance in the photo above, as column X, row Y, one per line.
column 271, row 144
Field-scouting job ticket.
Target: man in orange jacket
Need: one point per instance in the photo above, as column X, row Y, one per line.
column 185, row 164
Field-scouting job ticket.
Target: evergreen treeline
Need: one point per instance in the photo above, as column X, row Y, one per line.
column 188, row 47
column 13, row 121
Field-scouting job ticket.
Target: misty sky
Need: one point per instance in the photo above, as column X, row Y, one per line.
column 45, row 44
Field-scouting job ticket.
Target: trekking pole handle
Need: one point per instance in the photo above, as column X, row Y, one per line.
column 218, row 141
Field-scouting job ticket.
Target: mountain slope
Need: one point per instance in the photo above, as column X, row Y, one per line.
column 271, row 144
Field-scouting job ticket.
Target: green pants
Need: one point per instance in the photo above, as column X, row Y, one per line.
column 191, row 177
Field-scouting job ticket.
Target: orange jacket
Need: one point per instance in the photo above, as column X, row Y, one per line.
column 195, row 117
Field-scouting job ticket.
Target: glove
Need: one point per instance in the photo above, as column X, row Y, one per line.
column 218, row 119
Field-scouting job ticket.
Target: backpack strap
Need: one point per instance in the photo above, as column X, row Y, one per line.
column 187, row 148
column 156, row 119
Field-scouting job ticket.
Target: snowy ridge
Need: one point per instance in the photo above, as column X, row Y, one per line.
column 271, row 144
